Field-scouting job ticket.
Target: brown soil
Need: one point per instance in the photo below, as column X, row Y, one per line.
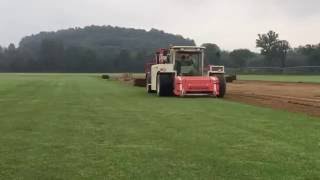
column 293, row 97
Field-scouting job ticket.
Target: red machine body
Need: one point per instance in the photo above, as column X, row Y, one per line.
column 180, row 71
column 197, row 86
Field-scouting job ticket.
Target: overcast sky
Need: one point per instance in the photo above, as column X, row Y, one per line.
column 229, row 23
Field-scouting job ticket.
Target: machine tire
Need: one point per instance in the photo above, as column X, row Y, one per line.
column 164, row 85
column 222, row 86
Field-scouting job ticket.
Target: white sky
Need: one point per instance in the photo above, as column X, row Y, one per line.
column 229, row 23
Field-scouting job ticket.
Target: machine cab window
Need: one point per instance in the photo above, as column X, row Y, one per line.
column 188, row 63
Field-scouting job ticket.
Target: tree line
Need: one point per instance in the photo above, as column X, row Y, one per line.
column 273, row 53
column 88, row 49
column 115, row 49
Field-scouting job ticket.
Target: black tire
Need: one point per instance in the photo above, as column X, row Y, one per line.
column 222, row 85
column 164, row 85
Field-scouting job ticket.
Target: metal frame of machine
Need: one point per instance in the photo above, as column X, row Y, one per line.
column 163, row 78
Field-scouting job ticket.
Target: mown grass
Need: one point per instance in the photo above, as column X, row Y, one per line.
column 82, row 127
column 282, row 78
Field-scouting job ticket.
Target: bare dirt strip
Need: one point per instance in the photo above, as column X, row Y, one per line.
column 293, row 97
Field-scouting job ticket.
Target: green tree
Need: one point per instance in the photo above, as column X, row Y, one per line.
column 80, row 59
column 312, row 52
column 139, row 61
column 1, row 53
column 282, row 49
column 106, row 42
column 51, row 54
column 12, row 57
column 123, row 61
column 273, row 48
column 11, row 48
column 212, row 54
column 2, row 59
column 88, row 60
column 240, row 57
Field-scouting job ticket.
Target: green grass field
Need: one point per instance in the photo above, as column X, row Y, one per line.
column 82, row 127
column 282, row 78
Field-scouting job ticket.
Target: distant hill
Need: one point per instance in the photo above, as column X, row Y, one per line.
column 108, row 37
column 91, row 49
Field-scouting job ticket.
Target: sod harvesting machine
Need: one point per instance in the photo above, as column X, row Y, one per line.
column 180, row 71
